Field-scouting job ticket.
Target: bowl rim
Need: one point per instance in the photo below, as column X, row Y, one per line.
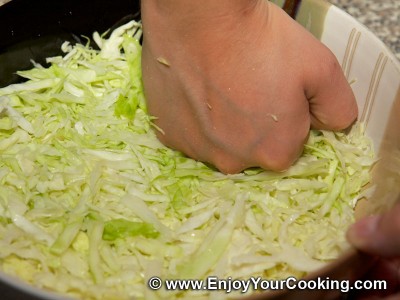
column 351, row 254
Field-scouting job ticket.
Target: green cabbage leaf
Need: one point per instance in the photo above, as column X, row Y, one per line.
column 92, row 204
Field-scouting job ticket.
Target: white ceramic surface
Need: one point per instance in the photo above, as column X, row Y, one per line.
column 367, row 63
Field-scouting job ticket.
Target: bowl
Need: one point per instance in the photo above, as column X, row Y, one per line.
column 368, row 64
column 374, row 73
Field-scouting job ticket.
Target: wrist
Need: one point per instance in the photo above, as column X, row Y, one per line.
column 191, row 15
column 177, row 29
column 196, row 10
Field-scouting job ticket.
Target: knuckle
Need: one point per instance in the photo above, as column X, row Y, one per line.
column 279, row 157
column 279, row 164
column 226, row 162
column 330, row 64
column 228, row 166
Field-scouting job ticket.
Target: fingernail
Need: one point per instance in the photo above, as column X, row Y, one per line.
column 362, row 232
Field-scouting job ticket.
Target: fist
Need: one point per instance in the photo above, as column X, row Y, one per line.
column 239, row 86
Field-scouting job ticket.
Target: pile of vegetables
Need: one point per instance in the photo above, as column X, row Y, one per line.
column 92, row 204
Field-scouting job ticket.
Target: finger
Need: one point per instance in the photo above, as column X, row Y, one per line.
column 379, row 234
column 332, row 102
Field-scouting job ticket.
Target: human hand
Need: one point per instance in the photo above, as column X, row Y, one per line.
column 238, row 83
column 380, row 235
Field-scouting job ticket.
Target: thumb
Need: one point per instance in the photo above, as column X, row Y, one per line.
column 332, row 103
column 378, row 235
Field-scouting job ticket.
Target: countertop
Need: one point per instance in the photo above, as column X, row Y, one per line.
column 381, row 17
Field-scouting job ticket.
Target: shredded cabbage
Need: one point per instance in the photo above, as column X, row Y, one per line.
column 92, row 204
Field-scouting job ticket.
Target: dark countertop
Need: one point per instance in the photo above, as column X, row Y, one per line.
column 381, row 17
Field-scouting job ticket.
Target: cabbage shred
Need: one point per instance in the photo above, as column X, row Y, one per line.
column 92, row 204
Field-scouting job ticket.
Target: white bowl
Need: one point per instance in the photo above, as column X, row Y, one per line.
column 375, row 75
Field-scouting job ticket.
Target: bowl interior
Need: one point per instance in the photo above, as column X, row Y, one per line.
column 374, row 74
